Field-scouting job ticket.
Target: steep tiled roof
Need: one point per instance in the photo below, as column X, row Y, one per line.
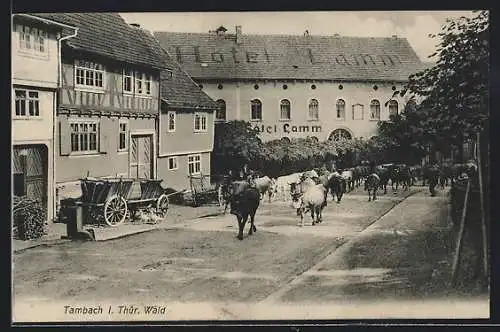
column 179, row 90
column 212, row 56
column 107, row 34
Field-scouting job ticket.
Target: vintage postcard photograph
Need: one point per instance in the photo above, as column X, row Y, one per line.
column 250, row 166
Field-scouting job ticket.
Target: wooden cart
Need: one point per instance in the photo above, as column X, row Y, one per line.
column 203, row 191
column 112, row 200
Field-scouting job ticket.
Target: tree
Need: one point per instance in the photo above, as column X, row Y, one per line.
column 455, row 91
column 235, row 143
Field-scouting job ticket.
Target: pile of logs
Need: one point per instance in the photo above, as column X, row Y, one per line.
column 29, row 218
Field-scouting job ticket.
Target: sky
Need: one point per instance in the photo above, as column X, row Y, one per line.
column 413, row 25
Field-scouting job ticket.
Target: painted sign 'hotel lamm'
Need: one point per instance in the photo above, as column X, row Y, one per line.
column 327, row 87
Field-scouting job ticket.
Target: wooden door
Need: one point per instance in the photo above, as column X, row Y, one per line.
column 30, row 172
column 141, row 156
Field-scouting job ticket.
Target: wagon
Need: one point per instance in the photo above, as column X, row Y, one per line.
column 113, row 200
column 203, row 191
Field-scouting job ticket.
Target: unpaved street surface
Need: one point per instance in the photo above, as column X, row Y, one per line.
column 202, row 263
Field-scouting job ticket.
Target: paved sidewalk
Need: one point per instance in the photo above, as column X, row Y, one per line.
column 176, row 215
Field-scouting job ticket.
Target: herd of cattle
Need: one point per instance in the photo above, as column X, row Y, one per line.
column 308, row 191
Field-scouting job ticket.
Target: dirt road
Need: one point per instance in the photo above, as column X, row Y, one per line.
column 199, row 262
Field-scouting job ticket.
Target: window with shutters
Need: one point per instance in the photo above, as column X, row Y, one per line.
column 256, row 110
column 171, row 117
column 194, row 164
column 172, row 163
column 89, row 76
column 123, row 135
column 27, row 104
column 285, row 110
column 200, row 122
column 84, row 136
column 375, row 110
column 313, row 110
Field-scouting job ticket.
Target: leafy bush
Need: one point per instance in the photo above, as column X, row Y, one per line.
column 30, row 218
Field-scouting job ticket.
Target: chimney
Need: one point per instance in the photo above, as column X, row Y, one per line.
column 238, row 34
column 135, row 25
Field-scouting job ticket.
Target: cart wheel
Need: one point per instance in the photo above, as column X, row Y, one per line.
column 115, row 210
column 220, row 196
column 162, row 205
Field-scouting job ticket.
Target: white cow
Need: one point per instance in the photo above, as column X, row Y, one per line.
column 282, row 185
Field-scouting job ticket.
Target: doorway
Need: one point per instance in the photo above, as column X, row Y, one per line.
column 141, row 156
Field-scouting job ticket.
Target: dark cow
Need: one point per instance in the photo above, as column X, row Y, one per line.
column 244, row 201
column 372, row 183
column 337, row 186
column 445, row 175
column 432, row 175
column 384, row 175
column 400, row 174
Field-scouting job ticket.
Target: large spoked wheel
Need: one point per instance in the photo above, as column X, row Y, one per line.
column 162, row 205
column 115, row 211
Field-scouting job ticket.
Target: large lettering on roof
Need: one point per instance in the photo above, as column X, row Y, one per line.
column 261, row 55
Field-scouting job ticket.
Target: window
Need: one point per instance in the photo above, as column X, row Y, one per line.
column 313, row 110
column 220, row 114
column 256, row 110
column 171, row 121
column 375, row 110
column 172, row 163
column 84, row 135
column 123, row 135
column 194, row 164
column 340, row 135
column 32, row 39
column 27, row 103
column 340, row 109
column 128, row 78
column 393, row 107
column 285, row 110
column 89, row 74
column 200, row 122
column 358, row 111
column 137, row 82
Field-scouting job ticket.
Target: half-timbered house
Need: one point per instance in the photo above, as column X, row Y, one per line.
column 108, row 104
column 35, row 65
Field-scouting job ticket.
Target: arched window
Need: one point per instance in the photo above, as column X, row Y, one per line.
column 340, row 135
column 256, row 110
column 340, row 109
column 285, row 110
column 393, row 107
column 375, row 110
column 220, row 114
column 313, row 110
column 285, row 139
